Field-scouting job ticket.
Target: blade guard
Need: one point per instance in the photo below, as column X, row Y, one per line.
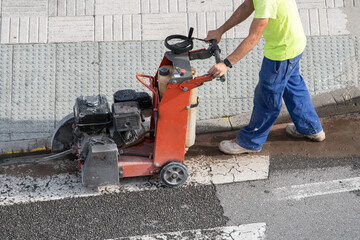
column 101, row 166
column 63, row 135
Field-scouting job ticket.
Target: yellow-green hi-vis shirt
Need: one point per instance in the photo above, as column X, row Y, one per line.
column 284, row 35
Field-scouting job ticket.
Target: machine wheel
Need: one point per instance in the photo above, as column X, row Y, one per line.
column 174, row 174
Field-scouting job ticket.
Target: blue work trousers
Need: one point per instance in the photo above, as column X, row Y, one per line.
column 279, row 80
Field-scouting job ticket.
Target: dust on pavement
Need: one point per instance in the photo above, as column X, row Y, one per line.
column 342, row 140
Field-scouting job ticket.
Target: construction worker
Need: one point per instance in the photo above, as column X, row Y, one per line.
column 279, row 78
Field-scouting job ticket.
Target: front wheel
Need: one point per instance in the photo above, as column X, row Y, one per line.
column 174, row 174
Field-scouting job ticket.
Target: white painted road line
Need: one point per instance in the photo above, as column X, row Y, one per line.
column 298, row 192
column 255, row 231
column 15, row 190
column 235, row 169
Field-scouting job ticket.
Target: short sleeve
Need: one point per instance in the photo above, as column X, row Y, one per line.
column 265, row 8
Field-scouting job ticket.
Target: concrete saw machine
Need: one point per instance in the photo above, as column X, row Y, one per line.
column 111, row 142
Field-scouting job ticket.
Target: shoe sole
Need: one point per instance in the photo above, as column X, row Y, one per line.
column 316, row 139
column 304, row 136
column 250, row 152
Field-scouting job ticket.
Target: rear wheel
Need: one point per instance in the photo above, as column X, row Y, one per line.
column 174, row 174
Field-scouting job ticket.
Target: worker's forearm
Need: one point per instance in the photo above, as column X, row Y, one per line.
column 243, row 49
column 241, row 13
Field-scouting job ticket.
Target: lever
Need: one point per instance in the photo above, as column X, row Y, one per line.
column 190, row 32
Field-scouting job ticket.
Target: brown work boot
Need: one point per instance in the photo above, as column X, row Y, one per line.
column 231, row 147
column 317, row 137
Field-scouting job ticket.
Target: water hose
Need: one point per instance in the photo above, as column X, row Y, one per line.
column 36, row 160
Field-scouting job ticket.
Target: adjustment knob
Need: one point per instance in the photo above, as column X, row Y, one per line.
column 182, row 72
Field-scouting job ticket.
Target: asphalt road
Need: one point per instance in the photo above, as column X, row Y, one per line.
column 309, row 194
column 325, row 216
column 115, row 215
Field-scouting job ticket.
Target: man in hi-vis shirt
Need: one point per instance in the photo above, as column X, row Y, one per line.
column 279, row 78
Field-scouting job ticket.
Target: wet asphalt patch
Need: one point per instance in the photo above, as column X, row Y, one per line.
column 114, row 215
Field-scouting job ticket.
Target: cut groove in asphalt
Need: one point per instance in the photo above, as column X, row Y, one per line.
column 290, row 162
column 114, row 215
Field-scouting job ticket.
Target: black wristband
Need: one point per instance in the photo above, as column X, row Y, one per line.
column 227, row 63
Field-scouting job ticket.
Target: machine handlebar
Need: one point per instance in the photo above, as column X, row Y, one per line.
column 185, row 44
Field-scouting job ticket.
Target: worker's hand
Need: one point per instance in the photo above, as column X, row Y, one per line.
column 218, row 70
column 214, row 34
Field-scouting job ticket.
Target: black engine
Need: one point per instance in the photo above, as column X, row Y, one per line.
column 126, row 121
column 93, row 115
column 95, row 123
column 99, row 132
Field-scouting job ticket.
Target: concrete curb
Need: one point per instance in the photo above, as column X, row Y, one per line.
column 334, row 103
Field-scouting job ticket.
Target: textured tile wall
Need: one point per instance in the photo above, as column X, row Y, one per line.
column 56, row 21
column 40, row 82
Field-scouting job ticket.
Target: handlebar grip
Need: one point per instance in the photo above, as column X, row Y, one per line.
column 216, row 51
column 222, row 78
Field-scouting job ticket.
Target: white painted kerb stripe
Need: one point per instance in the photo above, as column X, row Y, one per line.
column 297, row 192
column 15, row 190
column 255, row 231
column 235, row 169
